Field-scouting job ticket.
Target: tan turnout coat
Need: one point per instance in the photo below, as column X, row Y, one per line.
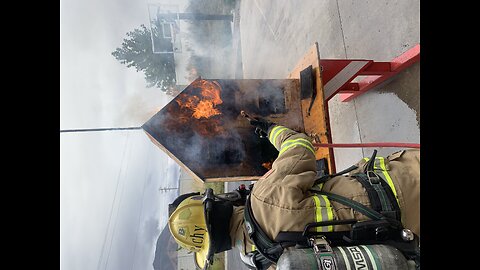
column 281, row 201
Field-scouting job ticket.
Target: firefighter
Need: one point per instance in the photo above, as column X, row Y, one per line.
column 374, row 201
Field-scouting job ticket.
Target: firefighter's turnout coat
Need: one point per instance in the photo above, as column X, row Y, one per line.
column 281, row 200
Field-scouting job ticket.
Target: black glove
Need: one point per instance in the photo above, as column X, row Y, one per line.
column 261, row 126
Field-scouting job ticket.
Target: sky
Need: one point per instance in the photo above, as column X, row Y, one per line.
column 111, row 208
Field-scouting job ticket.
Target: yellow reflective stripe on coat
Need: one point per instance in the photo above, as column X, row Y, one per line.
column 387, row 176
column 270, row 136
column 323, row 212
column 300, row 141
column 275, row 132
column 318, row 186
column 287, row 142
column 379, row 165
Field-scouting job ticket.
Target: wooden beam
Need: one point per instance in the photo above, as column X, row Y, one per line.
column 172, row 156
column 232, row 179
column 316, row 121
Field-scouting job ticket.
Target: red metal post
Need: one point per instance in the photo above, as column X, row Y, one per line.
column 376, row 68
column 367, row 145
column 350, row 88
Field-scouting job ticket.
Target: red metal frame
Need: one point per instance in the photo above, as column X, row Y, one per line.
column 337, row 75
column 366, row 145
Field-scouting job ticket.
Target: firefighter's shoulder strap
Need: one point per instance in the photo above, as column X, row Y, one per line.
column 380, row 194
column 371, row 213
column 267, row 251
column 324, row 178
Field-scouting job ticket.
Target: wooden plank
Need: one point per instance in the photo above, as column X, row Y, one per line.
column 172, row 156
column 316, row 123
column 232, row 179
column 226, row 146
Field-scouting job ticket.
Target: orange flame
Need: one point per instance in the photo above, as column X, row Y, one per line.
column 205, row 109
column 210, row 90
column 188, row 102
column 200, row 103
column 204, row 106
column 267, row 165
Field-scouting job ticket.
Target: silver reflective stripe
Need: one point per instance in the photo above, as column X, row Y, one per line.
column 377, row 166
column 293, row 142
column 274, row 134
column 377, row 163
column 324, row 213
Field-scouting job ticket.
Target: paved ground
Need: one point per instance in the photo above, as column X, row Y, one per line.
column 274, row 35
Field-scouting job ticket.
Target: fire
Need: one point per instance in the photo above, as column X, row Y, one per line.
column 205, row 109
column 203, row 106
column 188, row 102
column 267, row 165
column 210, row 90
column 199, row 103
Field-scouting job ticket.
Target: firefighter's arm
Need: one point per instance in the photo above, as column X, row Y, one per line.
column 295, row 165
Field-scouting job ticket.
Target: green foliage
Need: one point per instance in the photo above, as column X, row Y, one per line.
column 136, row 51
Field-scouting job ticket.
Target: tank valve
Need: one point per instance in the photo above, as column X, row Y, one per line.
column 407, row 235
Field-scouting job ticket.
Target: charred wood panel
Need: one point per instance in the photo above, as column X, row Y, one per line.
column 205, row 132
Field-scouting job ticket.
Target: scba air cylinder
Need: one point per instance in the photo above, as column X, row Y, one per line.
column 350, row 257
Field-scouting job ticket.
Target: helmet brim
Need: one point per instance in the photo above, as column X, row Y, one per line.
column 218, row 232
column 201, row 257
column 176, row 222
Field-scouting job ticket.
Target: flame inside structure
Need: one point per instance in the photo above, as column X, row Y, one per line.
column 199, row 104
column 267, row 165
column 204, row 104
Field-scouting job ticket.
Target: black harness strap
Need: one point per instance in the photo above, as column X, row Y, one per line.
column 372, row 214
column 372, row 193
column 262, row 258
column 395, row 212
column 379, row 193
column 325, row 177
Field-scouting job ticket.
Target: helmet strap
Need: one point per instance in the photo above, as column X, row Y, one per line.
column 220, row 224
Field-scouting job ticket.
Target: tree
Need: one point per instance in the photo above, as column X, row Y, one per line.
column 136, row 51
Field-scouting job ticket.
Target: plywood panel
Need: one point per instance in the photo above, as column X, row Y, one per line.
column 316, row 124
column 223, row 144
column 172, row 156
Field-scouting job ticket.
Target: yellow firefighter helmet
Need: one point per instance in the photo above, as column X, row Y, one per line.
column 188, row 226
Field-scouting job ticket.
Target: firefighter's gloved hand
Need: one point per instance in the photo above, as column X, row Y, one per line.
column 261, row 126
